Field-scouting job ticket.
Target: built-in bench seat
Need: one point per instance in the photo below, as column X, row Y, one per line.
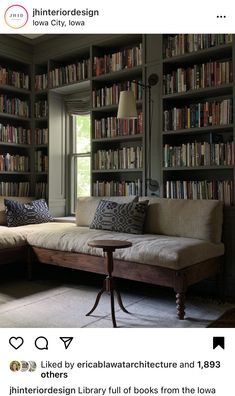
column 180, row 246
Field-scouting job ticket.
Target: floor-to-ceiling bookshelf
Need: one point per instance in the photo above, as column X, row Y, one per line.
column 15, row 128
column 198, row 129
column 198, row 126
column 117, row 145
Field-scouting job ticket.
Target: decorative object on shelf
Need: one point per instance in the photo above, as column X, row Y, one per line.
column 127, row 110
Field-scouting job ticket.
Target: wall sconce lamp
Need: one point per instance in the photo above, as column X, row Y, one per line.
column 127, row 110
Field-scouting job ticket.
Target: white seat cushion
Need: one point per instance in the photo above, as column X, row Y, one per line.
column 161, row 250
column 9, row 238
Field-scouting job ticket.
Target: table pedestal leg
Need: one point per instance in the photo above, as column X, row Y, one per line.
column 109, row 286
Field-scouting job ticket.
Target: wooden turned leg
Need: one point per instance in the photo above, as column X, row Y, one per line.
column 180, row 298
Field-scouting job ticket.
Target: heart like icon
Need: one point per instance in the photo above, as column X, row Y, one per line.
column 16, row 342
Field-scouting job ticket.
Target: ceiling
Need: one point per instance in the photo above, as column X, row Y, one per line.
column 31, row 36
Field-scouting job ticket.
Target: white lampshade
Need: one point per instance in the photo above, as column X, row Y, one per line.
column 127, row 105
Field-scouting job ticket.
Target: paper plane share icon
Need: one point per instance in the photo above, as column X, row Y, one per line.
column 67, row 341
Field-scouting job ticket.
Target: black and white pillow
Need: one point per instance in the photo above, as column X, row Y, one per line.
column 128, row 218
column 34, row 212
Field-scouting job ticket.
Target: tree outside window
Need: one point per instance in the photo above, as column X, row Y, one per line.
column 81, row 157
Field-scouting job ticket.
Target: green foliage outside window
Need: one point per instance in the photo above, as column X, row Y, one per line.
column 83, row 163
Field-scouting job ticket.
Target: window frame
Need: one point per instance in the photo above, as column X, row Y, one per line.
column 72, row 161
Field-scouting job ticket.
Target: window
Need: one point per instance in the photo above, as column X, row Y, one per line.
column 80, row 158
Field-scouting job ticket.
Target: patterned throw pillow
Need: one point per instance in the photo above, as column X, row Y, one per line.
column 19, row 214
column 127, row 217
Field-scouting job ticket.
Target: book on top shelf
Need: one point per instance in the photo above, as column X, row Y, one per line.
column 126, row 58
column 180, row 44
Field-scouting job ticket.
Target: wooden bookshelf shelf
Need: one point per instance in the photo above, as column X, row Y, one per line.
column 193, row 131
column 119, row 138
column 15, row 173
column 72, row 87
column 39, row 146
column 20, row 145
column 124, row 74
column 112, row 108
column 196, row 168
column 226, row 89
column 13, row 117
column 14, row 90
column 224, row 50
column 118, row 170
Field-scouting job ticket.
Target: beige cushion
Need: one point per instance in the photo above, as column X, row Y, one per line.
column 17, row 236
column 201, row 219
column 160, row 250
column 3, row 219
column 9, row 238
column 86, row 207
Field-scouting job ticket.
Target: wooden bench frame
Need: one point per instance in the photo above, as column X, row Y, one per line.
column 179, row 280
column 13, row 254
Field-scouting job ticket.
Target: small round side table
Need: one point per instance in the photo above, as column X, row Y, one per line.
column 109, row 246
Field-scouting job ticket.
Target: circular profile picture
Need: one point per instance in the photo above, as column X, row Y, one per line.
column 16, row 16
column 15, row 365
column 32, row 365
column 24, row 366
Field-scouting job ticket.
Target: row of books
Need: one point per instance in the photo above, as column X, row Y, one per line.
column 125, row 158
column 70, row 73
column 110, row 95
column 124, row 59
column 41, row 161
column 14, row 189
column 205, row 75
column 13, row 134
column 181, row 44
column 198, row 115
column 117, row 188
column 41, row 136
column 14, row 106
column 203, row 189
column 15, row 78
column 41, row 109
column 14, row 163
column 41, row 190
column 198, row 154
column 110, row 127
column 41, row 81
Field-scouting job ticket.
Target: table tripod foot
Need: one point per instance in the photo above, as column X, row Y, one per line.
column 96, row 302
column 120, row 302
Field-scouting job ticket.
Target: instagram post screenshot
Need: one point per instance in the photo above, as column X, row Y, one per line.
column 117, row 198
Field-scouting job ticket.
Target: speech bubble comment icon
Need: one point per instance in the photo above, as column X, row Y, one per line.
column 41, row 343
